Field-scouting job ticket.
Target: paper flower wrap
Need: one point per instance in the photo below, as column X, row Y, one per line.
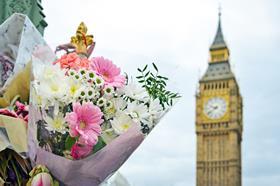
column 18, row 38
column 86, row 118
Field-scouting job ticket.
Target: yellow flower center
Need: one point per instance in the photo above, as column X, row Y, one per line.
column 73, row 90
column 82, row 125
column 57, row 123
column 54, row 87
column 125, row 126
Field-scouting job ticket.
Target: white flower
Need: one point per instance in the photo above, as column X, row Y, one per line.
column 91, row 75
column 109, row 111
column 155, row 111
column 101, row 102
column 56, row 124
column 109, row 105
column 137, row 111
column 72, row 72
column 99, row 82
column 74, row 88
column 50, row 82
column 82, row 73
column 52, row 89
column 44, row 72
column 121, row 122
column 119, row 103
column 155, row 108
column 135, row 91
column 108, row 91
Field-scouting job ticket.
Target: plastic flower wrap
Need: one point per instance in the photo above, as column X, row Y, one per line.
column 86, row 116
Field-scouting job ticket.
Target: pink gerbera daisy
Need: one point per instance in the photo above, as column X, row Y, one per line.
column 109, row 71
column 84, row 122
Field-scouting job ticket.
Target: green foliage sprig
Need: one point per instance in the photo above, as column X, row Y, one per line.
column 156, row 84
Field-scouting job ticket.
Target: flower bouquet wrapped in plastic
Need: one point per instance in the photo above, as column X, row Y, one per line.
column 18, row 38
column 86, row 118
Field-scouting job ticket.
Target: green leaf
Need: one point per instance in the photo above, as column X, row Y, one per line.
column 145, row 68
column 99, row 145
column 147, row 74
column 162, row 77
column 141, row 81
column 155, row 67
column 69, row 142
column 139, row 69
column 139, row 77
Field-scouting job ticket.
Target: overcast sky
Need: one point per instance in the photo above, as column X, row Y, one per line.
column 176, row 34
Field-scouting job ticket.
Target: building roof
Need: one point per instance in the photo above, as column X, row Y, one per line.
column 219, row 41
column 218, row 71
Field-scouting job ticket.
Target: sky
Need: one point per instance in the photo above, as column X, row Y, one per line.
column 176, row 35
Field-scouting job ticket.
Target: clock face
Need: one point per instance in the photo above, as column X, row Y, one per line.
column 215, row 108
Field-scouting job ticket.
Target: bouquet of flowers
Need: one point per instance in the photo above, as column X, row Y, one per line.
column 86, row 117
column 14, row 168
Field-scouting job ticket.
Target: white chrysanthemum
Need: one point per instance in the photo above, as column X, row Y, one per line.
column 109, row 105
column 135, row 91
column 47, row 72
column 108, row 91
column 155, row 110
column 53, row 89
column 92, row 93
column 83, row 73
column 91, row 75
column 121, row 122
column 109, row 111
column 99, row 82
column 101, row 102
column 74, row 89
column 51, row 82
column 119, row 103
column 72, row 73
column 56, row 124
column 137, row 111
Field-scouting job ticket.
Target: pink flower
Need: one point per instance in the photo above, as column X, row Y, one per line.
column 21, row 111
column 72, row 61
column 79, row 151
column 7, row 112
column 109, row 72
column 42, row 179
column 84, row 122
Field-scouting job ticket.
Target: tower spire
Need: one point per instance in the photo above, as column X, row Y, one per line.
column 219, row 41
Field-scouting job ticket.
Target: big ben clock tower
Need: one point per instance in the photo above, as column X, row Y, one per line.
column 218, row 120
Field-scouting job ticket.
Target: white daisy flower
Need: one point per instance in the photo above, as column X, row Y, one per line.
column 108, row 91
column 109, row 105
column 56, row 124
column 82, row 94
column 91, row 93
column 99, row 82
column 91, row 75
column 121, row 123
column 74, row 87
column 72, row 72
column 135, row 91
column 155, row 108
column 78, row 77
column 83, row 72
column 119, row 103
column 101, row 102
column 137, row 111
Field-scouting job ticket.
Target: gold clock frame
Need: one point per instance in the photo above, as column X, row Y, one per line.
column 205, row 98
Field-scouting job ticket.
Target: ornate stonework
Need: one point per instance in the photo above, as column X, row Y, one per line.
column 31, row 8
column 219, row 121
